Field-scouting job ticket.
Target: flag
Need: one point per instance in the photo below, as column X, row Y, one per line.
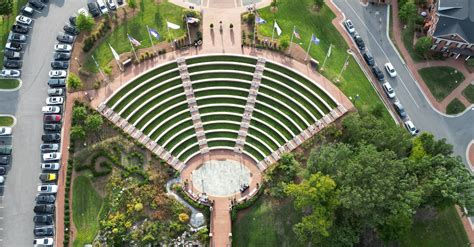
column 297, row 35
column 172, row 25
column 278, row 29
column 259, row 20
column 154, row 33
column 314, row 39
column 133, row 41
column 329, row 51
column 192, row 20
column 116, row 55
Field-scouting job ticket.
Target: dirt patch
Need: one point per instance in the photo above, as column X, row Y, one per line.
column 424, row 214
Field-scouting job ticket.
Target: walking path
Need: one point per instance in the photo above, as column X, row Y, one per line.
column 170, row 192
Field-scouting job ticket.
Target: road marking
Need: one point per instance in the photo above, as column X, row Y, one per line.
column 380, row 47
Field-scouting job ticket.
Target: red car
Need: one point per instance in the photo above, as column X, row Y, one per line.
column 54, row 118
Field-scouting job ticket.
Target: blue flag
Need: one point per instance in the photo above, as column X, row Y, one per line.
column 154, row 33
column 259, row 20
column 314, row 39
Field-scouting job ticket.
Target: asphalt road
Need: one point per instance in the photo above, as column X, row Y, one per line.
column 16, row 207
column 371, row 24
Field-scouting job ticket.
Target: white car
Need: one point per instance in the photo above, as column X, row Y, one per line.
column 50, row 166
column 390, row 70
column 83, row 11
column 111, row 4
column 51, row 156
column 43, row 242
column 62, row 47
column 49, row 188
column 388, row 90
column 103, row 9
column 51, row 109
column 54, row 100
column 5, row 131
column 411, row 127
column 10, row 73
column 57, row 73
column 349, row 26
column 23, row 20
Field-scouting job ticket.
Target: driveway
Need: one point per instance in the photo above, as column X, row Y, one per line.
column 371, row 24
column 16, row 208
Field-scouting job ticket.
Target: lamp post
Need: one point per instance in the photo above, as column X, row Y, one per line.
column 77, row 61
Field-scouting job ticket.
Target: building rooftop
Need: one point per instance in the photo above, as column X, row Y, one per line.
column 456, row 17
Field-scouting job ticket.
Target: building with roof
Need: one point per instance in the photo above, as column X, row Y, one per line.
column 451, row 25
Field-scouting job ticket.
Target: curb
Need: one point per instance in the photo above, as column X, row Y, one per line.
column 471, row 166
column 13, row 89
column 13, row 117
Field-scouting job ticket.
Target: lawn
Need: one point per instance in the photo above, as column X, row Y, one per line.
column 469, row 93
column 86, row 204
column 298, row 13
column 407, row 37
column 221, row 58
column 441, row 80
column 151, row 14
column 455, row 107
column 446, row 230
column 9, row 83
column 6, row 23
column 6, row 121
column 267, row 223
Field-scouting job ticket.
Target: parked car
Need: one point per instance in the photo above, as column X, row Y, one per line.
column 44, row 231
column 349, row 26
column 83, row 11
column 36, row 4
column 359, row 42
column 43, row 242
column 10, row 73
column 62, row 47
column 49, row 147
column 400, row 109
column 45, row 198
column 62, row 56
column 111, row 5
column 369, row 59
column 93, row 8
column 388, row 90
column 16, row 37
column 43, row 219
column 3, row 170
column 120, row 2
column 13, row 55
column 390, row 70
column 48, row 188
column 72, row 20
column 51, row 156
column 51, row 137
column 71, row 30
column 5, row 160
column 59, row 64
column 411, row 127
column 48, row 177
column 2, row 179
column 55, row 83
column 14, row 46
column 52, row 127
column 6, row 149
column 12, row 64
column 54, row 100
column 378, row 73
column 44, row 208
column 53, row 118
column 5, row 131
column 27, row 11
column 65, row 38
column 23, row 20
column 17, row 28
column 51, row 109
column 50, row 166
column 57, row 73
column 102, row 7
column 55, row 92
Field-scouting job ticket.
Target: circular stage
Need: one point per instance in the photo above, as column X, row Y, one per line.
column 221, row 177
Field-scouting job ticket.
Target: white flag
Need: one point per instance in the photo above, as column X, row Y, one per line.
column 278, row 29
column 172, row 25
column 116, row 55
column 329, row 52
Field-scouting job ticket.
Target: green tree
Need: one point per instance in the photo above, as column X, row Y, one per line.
column 74, row 82
column 6, row 7
column 93, row 122
column 408, row 12
column 77, row 133
column 318, row 196
column 85, row 23
column 423, row 45
column 79, row 114
column 318, row 3
column 132, row 4
column 282, row 173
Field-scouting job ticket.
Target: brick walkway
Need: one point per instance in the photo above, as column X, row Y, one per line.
column 458, row 64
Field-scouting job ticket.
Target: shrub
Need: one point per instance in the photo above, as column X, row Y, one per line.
column 74, row 82
column 88, row 44
column 85, row 23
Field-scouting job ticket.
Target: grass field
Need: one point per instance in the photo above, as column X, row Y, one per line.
column 9, row 83
column 151, row 14
column 441, row 80
column 455, row 107
column 266, row 223
column 298, row 13
column 469, row 93
column 446, row 230
column 86, row 204
column 407, row 37
column 6, row 121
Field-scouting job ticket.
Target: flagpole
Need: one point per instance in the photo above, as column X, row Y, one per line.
column 291, row 40
column 255, row 29
column 151, row 40
column 169, row 33
column 98, row 67
column 133, row 48
column 189, row 34
column 273, row 32
column 118, row 63
column 326, row 58
column 343, row 68
column 309, row 47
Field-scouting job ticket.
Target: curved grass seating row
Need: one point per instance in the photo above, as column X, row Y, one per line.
column 221, row 82
column 222, row 58
column 221, row 66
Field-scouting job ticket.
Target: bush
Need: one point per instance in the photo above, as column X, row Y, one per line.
column 85, row 23
column 88, row 44
column 74, row 82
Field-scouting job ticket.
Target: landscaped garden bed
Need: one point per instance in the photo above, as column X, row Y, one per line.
column 6, row 120
column 469, row 93
column 455, row 107
column 441, row 80
column 9, row 83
